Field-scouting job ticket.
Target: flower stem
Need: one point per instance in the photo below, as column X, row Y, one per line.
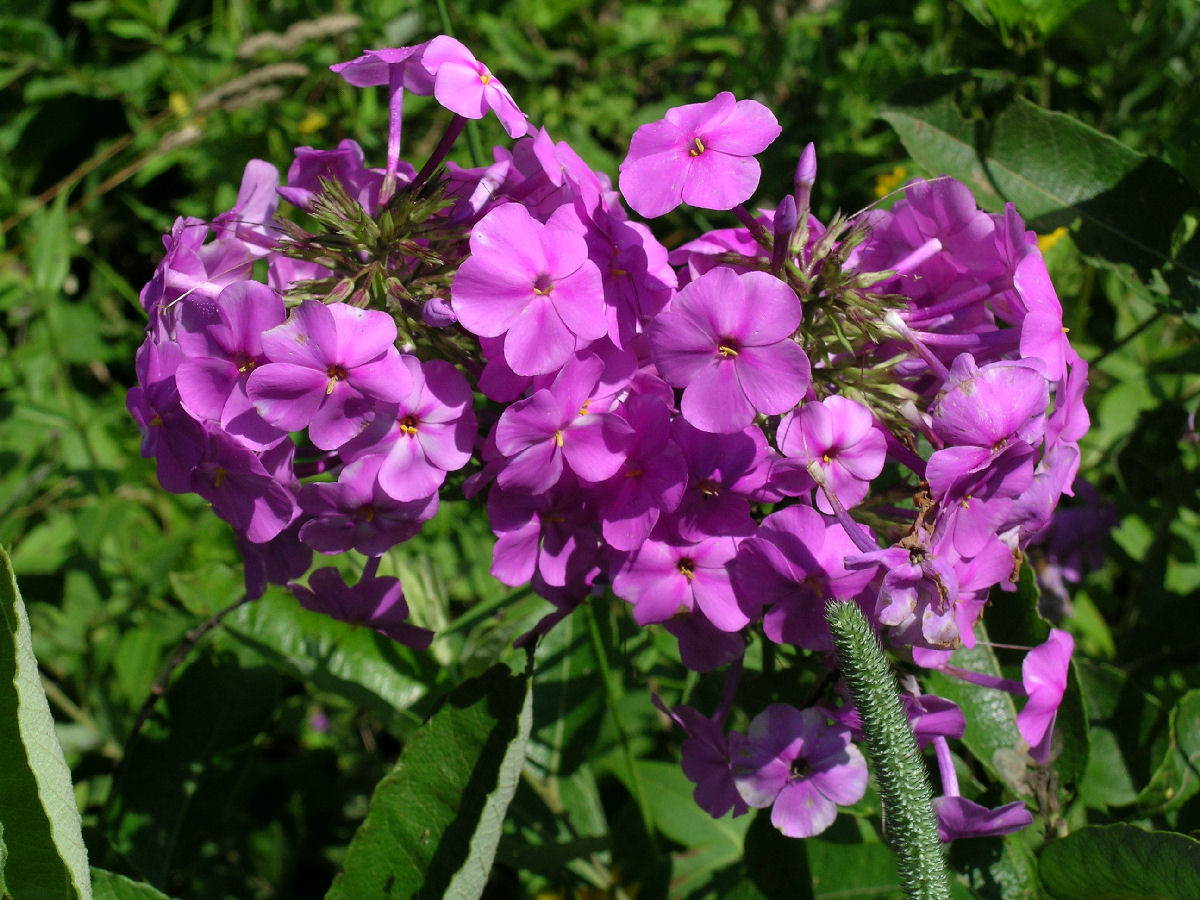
column 903, row 781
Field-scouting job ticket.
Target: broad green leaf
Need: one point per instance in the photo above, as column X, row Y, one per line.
column 45, row 855
column 991, row 715
column 937, row 135
column 111, row 886
column 1057, row 171
column 1177, row 778
column 1121, row 862
column 355, row 663
column 435, row 818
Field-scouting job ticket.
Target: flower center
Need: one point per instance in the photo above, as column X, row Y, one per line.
column 336, row 373
column 728, row 348
column 710, row 488
column 697, row 147
column 365, row 513
column 687, row 568
column 245, row 362
column 408, row 425
column 542, row 285
column 486, row 77
column 799, row 768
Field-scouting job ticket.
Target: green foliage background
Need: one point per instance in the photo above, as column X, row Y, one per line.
column 118, row 115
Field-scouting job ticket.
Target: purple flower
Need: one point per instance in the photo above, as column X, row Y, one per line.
column 356, row 512
column 701, row 154
column 344, row 165
column 727, row 342
column 552, row 534
column 377, row 603
column 222, row 343
column 706, row 755
column 985, row 406
column 802, row 767
column 250, row 219
column 840, row 436
column 1044, row 676
column 242, row 490
column 959, row 817
column 556, row 427
column 724, row 472
column 329, row 365
column 663, row 580
column 429, row 432
column 533, row 284
column 651, row 480
column 794, row 565
column 463, row 84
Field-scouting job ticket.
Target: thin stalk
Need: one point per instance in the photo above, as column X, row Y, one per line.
column 610, row 697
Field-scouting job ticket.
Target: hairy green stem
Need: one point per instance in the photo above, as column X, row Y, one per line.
column 899, row 770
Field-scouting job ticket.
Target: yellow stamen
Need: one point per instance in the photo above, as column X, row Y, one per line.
column 409, row 425
column 558, row 438
column 697, row 147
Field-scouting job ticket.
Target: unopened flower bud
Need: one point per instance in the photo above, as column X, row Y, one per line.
column 806, row 176
column 785, row 225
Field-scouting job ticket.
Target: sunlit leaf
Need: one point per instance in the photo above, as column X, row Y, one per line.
column 44, row 855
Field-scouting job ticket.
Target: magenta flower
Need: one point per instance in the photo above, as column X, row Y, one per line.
column 705, row 760
column 727, row 342
column 663, row 580
column 556, row 428
column 533, row 284
column 985, row 406
column 801, row 767
column 840, row 436
column 377, row 603
column 329, row 365
column 355, row 512
column 464, row 85
column 1044, row 676
column 795, row 565
column 958, row 817
column 222, row 345
column 429, row 432
column 701, row 154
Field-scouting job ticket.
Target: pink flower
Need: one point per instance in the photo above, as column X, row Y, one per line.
column 533, row 284
column 1044, row 675
column 727, row 341
column 701, row 154
column 464, row 85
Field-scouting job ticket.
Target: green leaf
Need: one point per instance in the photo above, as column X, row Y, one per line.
column 355, row 663
column 45, row 858
column 1177, row 778
column 709, row 844
column 178, row 784
column 778, row 866
column 1057, row 171
column 996, row 868
column 1121, row 862
column 50, row 258
column 991, row 716
column 434, row 820
column 111, row 886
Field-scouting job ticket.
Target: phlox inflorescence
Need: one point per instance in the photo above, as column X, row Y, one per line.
column 720, row 434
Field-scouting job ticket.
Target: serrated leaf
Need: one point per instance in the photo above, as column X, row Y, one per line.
column 45, row 855
column 435, row 818
column 1177, row 778
column 111, row 886
column 355, row 663
column 1121, row 862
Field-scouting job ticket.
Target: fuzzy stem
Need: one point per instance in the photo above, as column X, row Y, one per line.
column 903, row 781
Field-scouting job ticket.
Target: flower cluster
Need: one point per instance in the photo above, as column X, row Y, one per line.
column 883, row 408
